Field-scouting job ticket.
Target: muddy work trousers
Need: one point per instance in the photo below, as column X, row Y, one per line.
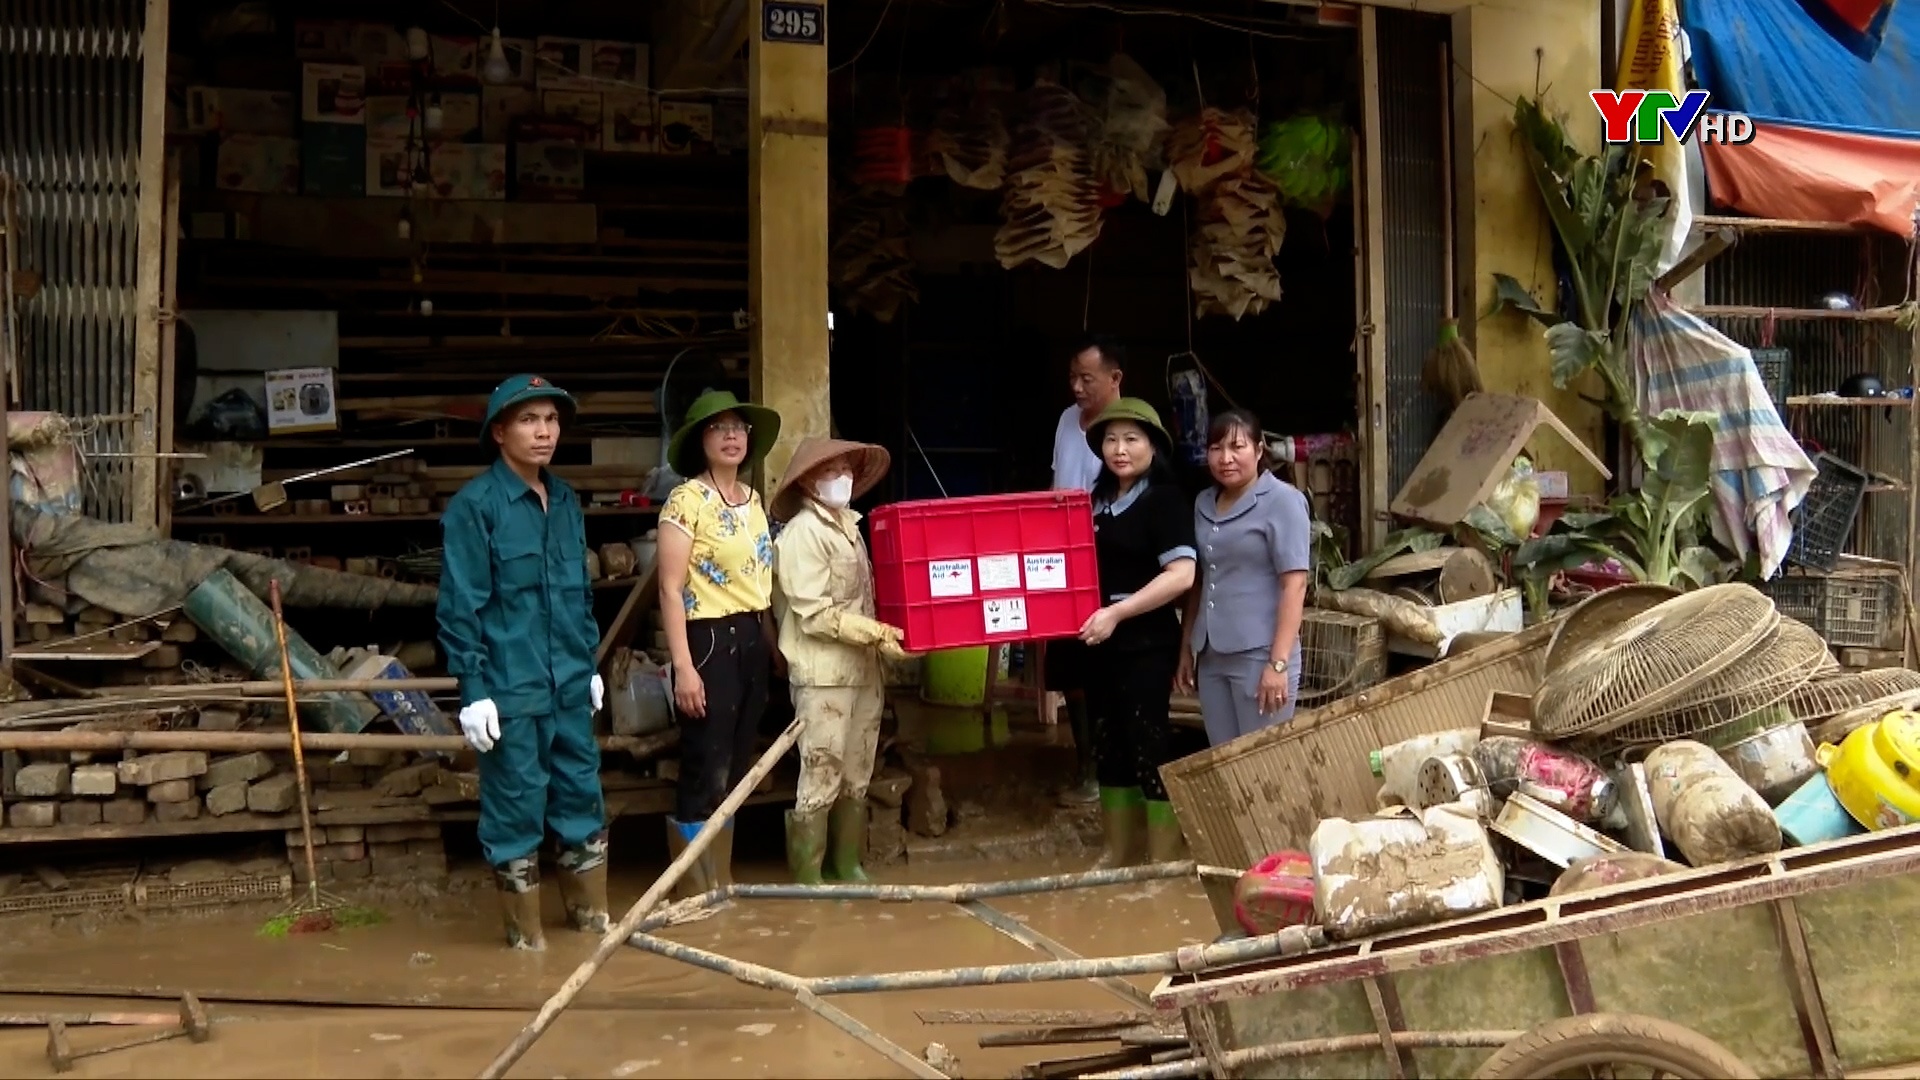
column 542, row 776
column 735, row 662
column 1128, row 698
column 837, row 744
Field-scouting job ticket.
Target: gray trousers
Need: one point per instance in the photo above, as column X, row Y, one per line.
column 1229, row 688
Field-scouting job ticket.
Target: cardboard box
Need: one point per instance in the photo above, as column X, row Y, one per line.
column 333, row 161
column 628, row 122
column 468, row 170
column 301, row 399
column 390, row 164
column 563, row 63
column 388, row 117
column 239, row 112
column 686, row 127
column 553, row 169
column 584, row 108
column 459, row 118
column 620, row 65
column 456, row 60
column 500, row 106
column 322, row 39
column 260, row 164
column 333, row 94
column 411, row 711
column 372, row 44
column 519, row 53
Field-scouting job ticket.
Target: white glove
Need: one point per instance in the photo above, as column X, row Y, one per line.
column 599, row 692
column 480, row 723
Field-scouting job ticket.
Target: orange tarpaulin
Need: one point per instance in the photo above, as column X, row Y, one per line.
column 1808, row 174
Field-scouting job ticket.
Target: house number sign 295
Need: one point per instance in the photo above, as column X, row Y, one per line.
column 794, row 23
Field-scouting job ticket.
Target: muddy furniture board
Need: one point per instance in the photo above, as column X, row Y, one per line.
column 1473, row 452
column 1791, row 962
column 1265, row 792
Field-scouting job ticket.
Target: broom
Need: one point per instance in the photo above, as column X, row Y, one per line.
column 318, row 911
column 1450, row 369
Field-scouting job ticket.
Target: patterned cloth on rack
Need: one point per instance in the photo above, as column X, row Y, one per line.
column 1760, row 473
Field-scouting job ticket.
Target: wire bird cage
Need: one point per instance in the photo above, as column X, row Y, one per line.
column 1340, row 655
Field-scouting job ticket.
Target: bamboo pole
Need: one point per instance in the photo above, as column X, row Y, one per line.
column 1039, row 942
column 239, row 742
column 617, row 935
column 964, row 892
column 274, row 687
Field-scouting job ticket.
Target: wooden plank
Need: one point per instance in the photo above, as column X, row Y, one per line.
column 1032, row 1017
column 169, row 335
column 1741, row 311
column 639, row 601
column 592, row 286
column 367, row 227
column 212, row 826
column 101, row 648
column 787, row 237
column 1709, row 222
column 1376, row 461
column 150, row 249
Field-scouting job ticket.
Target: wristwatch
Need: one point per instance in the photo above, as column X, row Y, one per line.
column 1280, row 666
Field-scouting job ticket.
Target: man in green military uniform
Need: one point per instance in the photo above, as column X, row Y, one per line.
column 516, row 624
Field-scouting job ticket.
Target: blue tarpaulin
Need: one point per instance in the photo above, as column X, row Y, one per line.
column 1773, row 60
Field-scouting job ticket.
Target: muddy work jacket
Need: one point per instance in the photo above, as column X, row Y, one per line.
column 823, row 596
column 516, row 607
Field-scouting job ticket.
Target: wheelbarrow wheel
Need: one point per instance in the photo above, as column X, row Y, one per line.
column 1577, row 1044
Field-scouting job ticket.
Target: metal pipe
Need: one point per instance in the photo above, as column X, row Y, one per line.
column 621, row 932
column 962, row 893
column 744, row 970
column 1300, row 1048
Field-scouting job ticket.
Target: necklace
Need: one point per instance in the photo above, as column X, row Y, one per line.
column 714, row 483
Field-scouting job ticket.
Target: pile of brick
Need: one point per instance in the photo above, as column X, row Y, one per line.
column 408, row 851
column 178, row 785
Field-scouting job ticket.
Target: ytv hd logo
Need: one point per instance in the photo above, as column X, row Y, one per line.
column 1637, row 116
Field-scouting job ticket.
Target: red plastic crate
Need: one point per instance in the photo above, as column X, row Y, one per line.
column 986, row 570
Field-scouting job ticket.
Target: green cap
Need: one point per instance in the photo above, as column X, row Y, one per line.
column 517, row 391
column 685, row 454
column 1136, row 410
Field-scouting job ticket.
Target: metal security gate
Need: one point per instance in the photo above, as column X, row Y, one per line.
column 71, row 120
column 1403, row 242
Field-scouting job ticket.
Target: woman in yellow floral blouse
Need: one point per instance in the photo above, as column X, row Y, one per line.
column 716, row 591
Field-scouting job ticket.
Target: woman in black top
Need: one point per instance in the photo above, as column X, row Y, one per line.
column 1143, row 538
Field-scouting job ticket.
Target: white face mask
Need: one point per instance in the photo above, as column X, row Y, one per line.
column 837, row 492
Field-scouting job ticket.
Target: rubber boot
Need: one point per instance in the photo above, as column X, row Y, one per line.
column 1123, row 814
column 1088, row 789
column 519, row 881
column 720, row 857
column 806, row 845
column 847, row 839
column 1165, row 842
column 698, row 880
column 583, row 886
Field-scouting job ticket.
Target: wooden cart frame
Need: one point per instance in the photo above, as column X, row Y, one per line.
column 1574, row 930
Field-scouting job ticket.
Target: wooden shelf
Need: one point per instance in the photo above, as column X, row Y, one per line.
column 249, row 520
column 1737, row 311
column 1821, row 401
column 243, row 822
column 1775, row 225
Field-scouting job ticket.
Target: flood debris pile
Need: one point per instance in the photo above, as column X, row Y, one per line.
column 1662, row 732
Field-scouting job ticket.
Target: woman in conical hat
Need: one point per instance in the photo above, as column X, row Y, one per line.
column 833, row 645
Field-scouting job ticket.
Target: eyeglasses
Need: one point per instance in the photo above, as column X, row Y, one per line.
column 730, row 427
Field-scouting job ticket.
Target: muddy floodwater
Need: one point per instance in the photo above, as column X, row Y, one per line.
column 432, row 993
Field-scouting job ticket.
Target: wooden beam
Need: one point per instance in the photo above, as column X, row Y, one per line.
column 1377, row 468
column 169, row 289
column 150, row 248
column 787, row 236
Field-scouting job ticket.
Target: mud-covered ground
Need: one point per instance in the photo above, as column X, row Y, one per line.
column 432, row 993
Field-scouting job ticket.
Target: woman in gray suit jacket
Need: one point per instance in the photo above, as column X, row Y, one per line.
column 1240, row 643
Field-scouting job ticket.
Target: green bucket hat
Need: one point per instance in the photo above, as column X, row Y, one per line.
column 1136, row 410
column 519, row 390
column 689, row 458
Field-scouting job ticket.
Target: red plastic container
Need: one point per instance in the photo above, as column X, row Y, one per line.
column 986, row 570
column 1276, row 893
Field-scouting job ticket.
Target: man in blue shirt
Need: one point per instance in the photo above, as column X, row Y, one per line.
column 517, row 628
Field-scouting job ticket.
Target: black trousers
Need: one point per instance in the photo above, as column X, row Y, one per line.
column 735, row 662
column 1128, row 696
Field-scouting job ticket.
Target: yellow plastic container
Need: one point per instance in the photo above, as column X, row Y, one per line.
column 1875, row 771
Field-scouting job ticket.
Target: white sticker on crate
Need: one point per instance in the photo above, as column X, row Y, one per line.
column 1048, row 571
column 1007, row 615
column 950, row 577
column 999, row 573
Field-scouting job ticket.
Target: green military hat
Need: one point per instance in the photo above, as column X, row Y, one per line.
column 519, row 390
column 689, row 458
column 1136, row 410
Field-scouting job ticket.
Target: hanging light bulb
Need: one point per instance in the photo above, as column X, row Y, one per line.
column 497, row 71
column 406, row 224
column 436, row 117
column 416, row 43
